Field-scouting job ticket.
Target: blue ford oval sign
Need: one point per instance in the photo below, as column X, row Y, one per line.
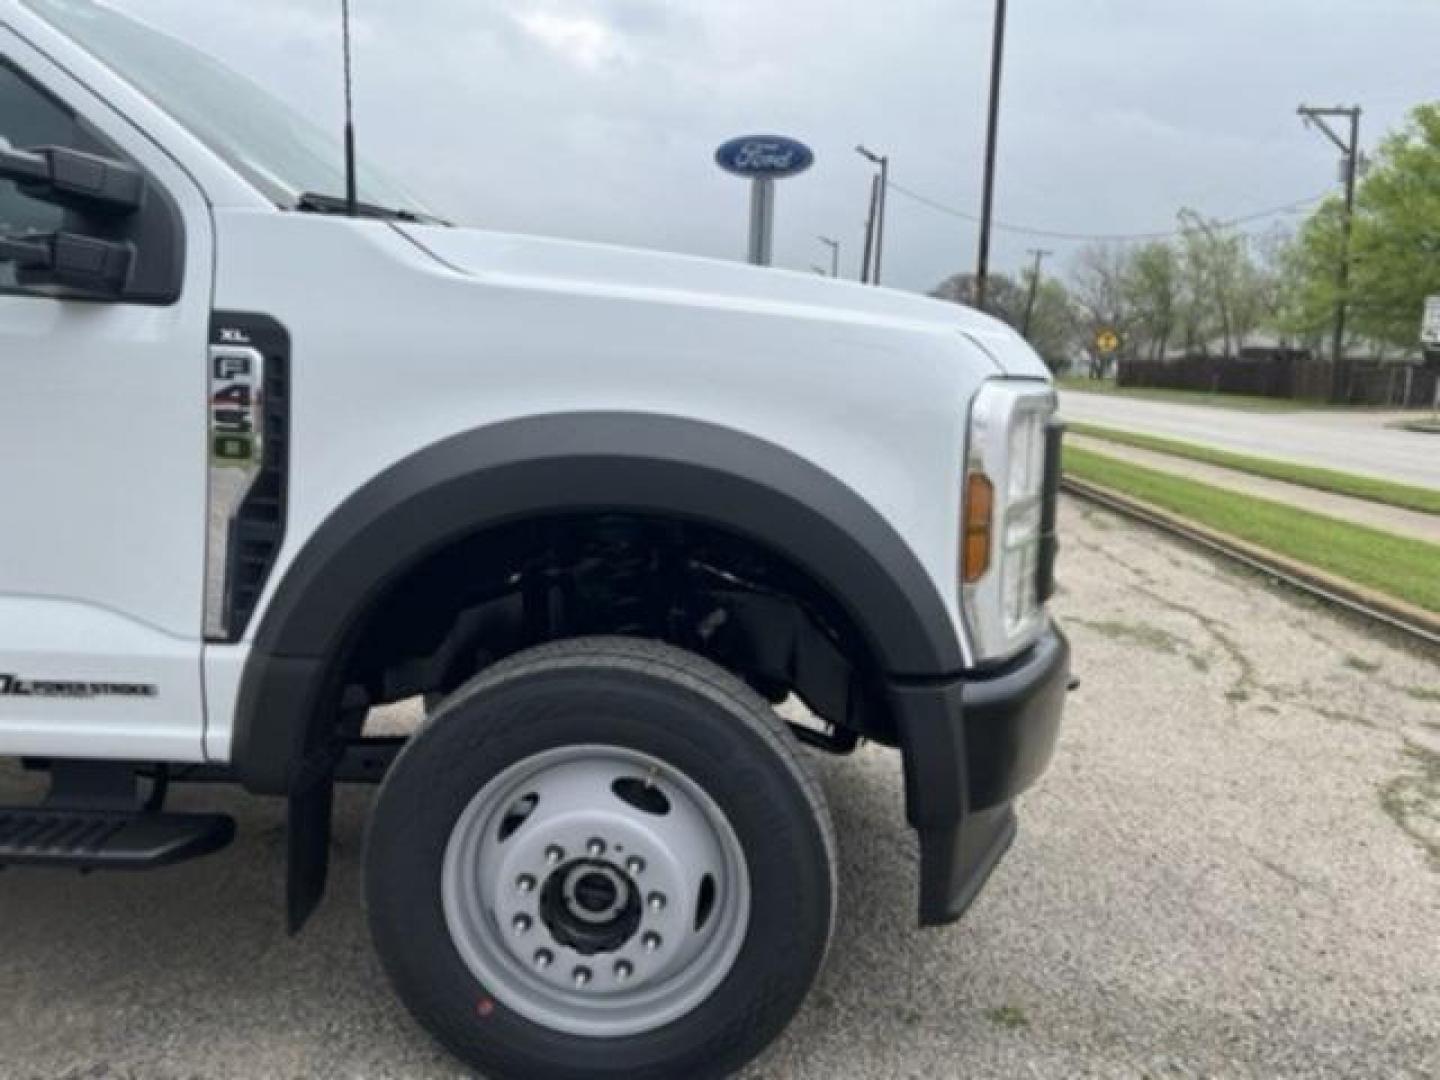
column 764, row 155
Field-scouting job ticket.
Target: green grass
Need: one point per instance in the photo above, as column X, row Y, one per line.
column 1394, row 565
column 1008, row 1016
column 1426, row 500
column 1242, row 402
column 1424, row 427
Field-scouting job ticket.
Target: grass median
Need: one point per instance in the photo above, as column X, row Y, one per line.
column 1397, row 566
column 1406, row 496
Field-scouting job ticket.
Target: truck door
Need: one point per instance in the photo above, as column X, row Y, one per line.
column 102, row 442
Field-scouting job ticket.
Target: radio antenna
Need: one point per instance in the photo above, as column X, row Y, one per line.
column 351, row 206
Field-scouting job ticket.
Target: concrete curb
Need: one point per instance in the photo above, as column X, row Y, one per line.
column 1410, row 618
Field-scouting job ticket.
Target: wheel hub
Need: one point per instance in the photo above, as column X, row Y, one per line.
column 591, row 906
column 596, row 891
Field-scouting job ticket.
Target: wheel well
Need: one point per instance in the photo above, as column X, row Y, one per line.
column 495, row 592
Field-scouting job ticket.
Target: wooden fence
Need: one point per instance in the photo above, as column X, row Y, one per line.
column 1290, row 375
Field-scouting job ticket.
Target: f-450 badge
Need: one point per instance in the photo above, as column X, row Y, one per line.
column 236, row 387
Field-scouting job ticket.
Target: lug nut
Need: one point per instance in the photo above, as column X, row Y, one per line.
column 525, row 883
column 554, row 854
column 623, row 969
column 522, row 924
column 651, row 942
column 656, row 901
column 582, row 977
column 595, row 848
column 635, row 866
column 544, row 958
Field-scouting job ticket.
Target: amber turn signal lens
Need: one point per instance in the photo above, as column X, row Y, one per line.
column 979, row 513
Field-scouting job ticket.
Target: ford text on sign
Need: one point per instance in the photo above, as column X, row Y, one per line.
column 764, row 155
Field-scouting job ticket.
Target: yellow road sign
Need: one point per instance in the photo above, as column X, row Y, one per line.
column 1107, row 341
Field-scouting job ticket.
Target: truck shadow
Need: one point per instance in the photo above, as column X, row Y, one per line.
column 188, row 972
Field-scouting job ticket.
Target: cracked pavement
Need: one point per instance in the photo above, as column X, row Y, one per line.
column 1232, row 869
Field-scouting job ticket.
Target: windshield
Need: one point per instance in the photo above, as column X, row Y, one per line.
column 276, row 149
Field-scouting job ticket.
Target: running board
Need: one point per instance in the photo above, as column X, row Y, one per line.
column 107, row 839
column 94, row 819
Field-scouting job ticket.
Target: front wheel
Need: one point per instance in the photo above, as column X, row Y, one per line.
column 602, row 858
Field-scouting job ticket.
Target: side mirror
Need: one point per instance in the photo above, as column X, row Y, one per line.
column 99, row 268
column 122, row 237
column 84, row 182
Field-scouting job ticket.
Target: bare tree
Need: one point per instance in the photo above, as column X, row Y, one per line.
column 1231, row 293
column 1054, row 326
column 1098, row 285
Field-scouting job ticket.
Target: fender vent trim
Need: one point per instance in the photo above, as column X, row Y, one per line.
column 249, row 458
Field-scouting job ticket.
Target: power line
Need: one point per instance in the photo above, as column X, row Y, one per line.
column 1054, row 234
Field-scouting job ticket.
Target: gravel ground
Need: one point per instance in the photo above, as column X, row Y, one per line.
column 1232, row 870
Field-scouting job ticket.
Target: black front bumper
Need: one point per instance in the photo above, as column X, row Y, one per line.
column 970, row 746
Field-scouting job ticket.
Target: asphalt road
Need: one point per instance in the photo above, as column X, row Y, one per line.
column 1231, row 870
column 1350, row 441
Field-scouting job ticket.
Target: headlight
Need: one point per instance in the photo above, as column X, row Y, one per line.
column 1004, row 514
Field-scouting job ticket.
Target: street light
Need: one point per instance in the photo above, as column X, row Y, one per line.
column 834, row 246
column 875, row 228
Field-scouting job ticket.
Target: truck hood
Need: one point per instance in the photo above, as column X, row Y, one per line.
column 601, row 267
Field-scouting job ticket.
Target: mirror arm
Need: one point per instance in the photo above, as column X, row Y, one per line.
column 84, row 182
column 24, row 167
column 99, row 267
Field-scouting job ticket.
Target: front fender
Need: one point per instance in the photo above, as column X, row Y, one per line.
column 562, row 464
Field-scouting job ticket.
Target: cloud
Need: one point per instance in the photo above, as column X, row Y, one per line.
column 598, row 118
column 584, row 40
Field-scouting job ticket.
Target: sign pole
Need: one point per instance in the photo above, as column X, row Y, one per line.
column 762, row 220
column 763, row 159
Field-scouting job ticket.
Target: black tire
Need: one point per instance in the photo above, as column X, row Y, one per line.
column 645, row 696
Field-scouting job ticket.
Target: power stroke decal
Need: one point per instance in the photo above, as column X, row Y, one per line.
column 15, row 686
column 249, row 434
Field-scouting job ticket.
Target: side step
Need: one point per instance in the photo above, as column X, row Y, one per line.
column 93, row 819
column 107, row 839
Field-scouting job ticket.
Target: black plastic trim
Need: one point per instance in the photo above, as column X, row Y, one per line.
column 1049, row 510
column 612, row 462
column 1012, row 721
column 955, row 863
column 970, row 746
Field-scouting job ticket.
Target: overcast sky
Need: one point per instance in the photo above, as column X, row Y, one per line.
column 598, row 119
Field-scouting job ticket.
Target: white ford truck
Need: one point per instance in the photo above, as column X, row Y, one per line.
column 271, row 459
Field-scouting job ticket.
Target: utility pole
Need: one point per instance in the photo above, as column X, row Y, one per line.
column 1040, row 255
column 834, row 246
column 997, row 56
column 870, row 230
column 1350, row 148
column 877, row 212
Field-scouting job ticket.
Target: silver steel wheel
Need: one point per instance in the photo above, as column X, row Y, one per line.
column 596, row 891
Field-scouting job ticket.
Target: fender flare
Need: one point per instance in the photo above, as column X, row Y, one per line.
column 569, row 463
